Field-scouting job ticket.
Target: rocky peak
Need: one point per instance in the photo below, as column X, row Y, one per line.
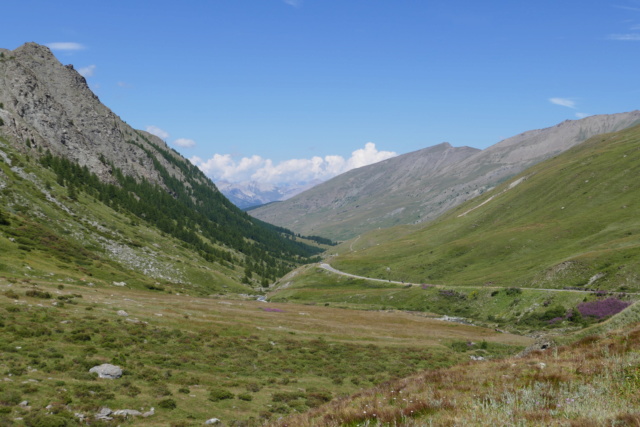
column 52, row 107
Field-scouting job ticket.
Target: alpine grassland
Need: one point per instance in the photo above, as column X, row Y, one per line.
column 193, row 359
column 570, row 222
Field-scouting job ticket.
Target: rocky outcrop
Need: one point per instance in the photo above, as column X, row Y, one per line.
column 107, row 370
column 50, row 106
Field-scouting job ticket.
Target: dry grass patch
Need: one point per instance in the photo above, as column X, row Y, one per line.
column 554, row 387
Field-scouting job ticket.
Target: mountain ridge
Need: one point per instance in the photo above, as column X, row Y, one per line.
column 568, row 221
column 426, row 194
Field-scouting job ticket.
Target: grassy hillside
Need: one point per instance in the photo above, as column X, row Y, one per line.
column 572, row 221
column 193, row 359
column 59, row 220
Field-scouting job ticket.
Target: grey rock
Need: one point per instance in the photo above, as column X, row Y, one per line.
column 104, row 414
column 107, row 370
column 541, row 343
column 212, row 421
column 52, row 105
column 122, row 313
column 24, row 403
column 126, row 413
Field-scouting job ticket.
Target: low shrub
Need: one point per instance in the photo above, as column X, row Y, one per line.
column 36, row 293
column 245, row 396
column 513, row 291
column 287, row 396
column 218, row 394
column 168, row 404
column 10, row 398
column 448, row 293
column 11, row 294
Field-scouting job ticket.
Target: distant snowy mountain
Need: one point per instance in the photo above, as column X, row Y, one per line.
column 249, row 194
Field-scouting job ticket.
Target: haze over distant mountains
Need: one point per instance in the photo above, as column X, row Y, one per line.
column 419, row 186
column 251, row 194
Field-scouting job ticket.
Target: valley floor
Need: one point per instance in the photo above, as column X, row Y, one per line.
column 242, row 361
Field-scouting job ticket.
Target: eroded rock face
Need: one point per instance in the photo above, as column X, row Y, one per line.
column 108, row 371
column 52, row 107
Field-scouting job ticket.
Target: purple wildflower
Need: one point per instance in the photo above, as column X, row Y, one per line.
column 602, row 308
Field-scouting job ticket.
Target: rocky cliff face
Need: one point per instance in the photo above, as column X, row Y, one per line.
column 419, row 186
column 50, row 106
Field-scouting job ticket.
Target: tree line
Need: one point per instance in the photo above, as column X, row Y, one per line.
column 197, row 214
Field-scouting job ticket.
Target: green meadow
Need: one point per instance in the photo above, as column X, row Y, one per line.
column 192, row 358
column 572, row 221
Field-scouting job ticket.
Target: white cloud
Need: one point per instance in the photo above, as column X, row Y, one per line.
column 65, row 46
column 222, row 167
column 624, row 37
column 184, row 142
column 123, row 84
column 160, row 133
column 564, row 102
column 582, row 115
column 87, row 71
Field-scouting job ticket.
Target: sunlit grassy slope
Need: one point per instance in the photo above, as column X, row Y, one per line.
column 572, row 221
column 52, row 229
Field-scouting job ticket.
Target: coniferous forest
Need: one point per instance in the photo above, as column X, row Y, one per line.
column 223, row 230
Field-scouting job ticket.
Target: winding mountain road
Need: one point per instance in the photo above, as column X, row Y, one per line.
column 328, row 267
column 342, row 273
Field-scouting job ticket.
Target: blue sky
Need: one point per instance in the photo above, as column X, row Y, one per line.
column 290, row 90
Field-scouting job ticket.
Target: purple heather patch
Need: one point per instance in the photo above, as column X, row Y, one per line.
column 602, row 308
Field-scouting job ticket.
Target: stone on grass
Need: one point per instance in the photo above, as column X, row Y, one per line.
column 104, row 414
column 212, row 421
column 127, row 412
column 107, row 370
column 122, row 313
